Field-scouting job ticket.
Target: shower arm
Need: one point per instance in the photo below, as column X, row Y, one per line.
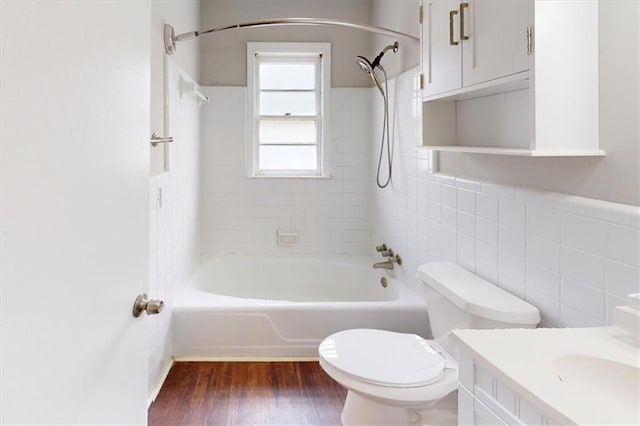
column 170, row 38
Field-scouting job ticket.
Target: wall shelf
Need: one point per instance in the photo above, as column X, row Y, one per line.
column 189, row 86
column 514, row 151
column 500, row 85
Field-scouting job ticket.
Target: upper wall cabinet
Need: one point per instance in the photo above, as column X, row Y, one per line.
column 515, row 77
column 495, row 41
column 471, row 42
column 441, row 48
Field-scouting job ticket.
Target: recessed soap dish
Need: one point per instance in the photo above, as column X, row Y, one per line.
column 287, row 237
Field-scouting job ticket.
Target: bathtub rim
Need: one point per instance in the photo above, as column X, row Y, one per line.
column 201, row 299
column 287, row 343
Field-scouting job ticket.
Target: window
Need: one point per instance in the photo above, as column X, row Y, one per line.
column 288, row 86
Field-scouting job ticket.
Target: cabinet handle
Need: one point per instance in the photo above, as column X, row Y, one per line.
column 463, row 6
column 452, row 13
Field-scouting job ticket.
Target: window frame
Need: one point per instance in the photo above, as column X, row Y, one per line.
column 292, row 51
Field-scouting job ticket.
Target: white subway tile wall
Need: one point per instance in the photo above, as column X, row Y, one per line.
column 173, row 233
column 574, row 258
column 242, row 215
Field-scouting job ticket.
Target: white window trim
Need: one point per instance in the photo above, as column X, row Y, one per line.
column 324, row 138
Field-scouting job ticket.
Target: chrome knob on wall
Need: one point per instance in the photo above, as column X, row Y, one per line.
column 381, row 248
column 142, row 304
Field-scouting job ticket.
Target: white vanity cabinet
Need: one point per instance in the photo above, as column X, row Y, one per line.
column 511, row 77
column 485, row 400
column 473, row 41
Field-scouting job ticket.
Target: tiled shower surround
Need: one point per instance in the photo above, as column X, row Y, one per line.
column 242, row 215
column 572, row 257
column 173, row 221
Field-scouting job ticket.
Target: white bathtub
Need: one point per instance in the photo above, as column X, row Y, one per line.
column 273, row 307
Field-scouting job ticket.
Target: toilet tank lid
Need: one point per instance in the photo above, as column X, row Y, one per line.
column 477, row 296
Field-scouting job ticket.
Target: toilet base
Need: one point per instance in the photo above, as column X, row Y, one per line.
column 359, row 410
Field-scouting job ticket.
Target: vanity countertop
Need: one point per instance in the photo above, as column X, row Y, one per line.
column 573, row 375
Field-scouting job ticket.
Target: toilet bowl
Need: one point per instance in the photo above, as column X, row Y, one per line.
column 396, row 378
column 390, row 377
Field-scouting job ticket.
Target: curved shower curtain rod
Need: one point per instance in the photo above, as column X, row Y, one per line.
column 170, row 38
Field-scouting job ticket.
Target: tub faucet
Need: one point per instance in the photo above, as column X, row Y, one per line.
column 385, row 251
column 388, row 264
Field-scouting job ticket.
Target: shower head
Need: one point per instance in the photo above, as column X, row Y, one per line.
column 364, row 64
column 367, row 67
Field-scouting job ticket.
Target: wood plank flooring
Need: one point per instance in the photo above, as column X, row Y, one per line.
column 248, row 393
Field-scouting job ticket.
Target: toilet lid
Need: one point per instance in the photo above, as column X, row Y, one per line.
column 383, row 357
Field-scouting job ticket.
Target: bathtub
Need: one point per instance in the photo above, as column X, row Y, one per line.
column 273, row 307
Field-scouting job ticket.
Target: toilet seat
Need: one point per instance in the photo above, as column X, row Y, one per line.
column 386, row 393
column 383, row 358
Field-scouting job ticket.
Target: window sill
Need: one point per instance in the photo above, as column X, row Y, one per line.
column 288, row 177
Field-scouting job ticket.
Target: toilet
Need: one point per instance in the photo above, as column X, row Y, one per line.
column 397, row 378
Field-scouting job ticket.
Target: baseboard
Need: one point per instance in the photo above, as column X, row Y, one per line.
column 155, row 391
column 246, row 359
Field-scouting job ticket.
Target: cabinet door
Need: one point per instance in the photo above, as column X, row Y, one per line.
column 472, row 412
column 497, row 39
column 441, row 47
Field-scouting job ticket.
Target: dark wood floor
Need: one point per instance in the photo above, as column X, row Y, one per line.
column 248, row 393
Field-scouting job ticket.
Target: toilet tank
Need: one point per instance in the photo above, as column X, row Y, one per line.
column 456, row 298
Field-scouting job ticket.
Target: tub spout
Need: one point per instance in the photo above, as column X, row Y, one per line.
column 383, row 265
column 388, row 264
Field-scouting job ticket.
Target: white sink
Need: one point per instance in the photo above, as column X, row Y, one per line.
column 587, row 376
column 611, row 385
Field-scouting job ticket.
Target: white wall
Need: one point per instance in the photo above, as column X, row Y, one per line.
column 174, row 240
column 399, row 15
column 180, row 14
column 572, row 257
column 224, row 54
column 394, row 215
column 242, row 215
column 175, row 206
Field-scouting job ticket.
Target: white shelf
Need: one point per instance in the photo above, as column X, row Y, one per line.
column 504, row 84
column 190, row 86
column 516, row 151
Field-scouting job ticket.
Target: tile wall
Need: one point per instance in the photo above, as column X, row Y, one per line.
column 242, row 215
column 394, row 209
column 574, row 258
column 174, row 217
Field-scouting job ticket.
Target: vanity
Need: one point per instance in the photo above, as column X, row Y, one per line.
column 549, row 376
